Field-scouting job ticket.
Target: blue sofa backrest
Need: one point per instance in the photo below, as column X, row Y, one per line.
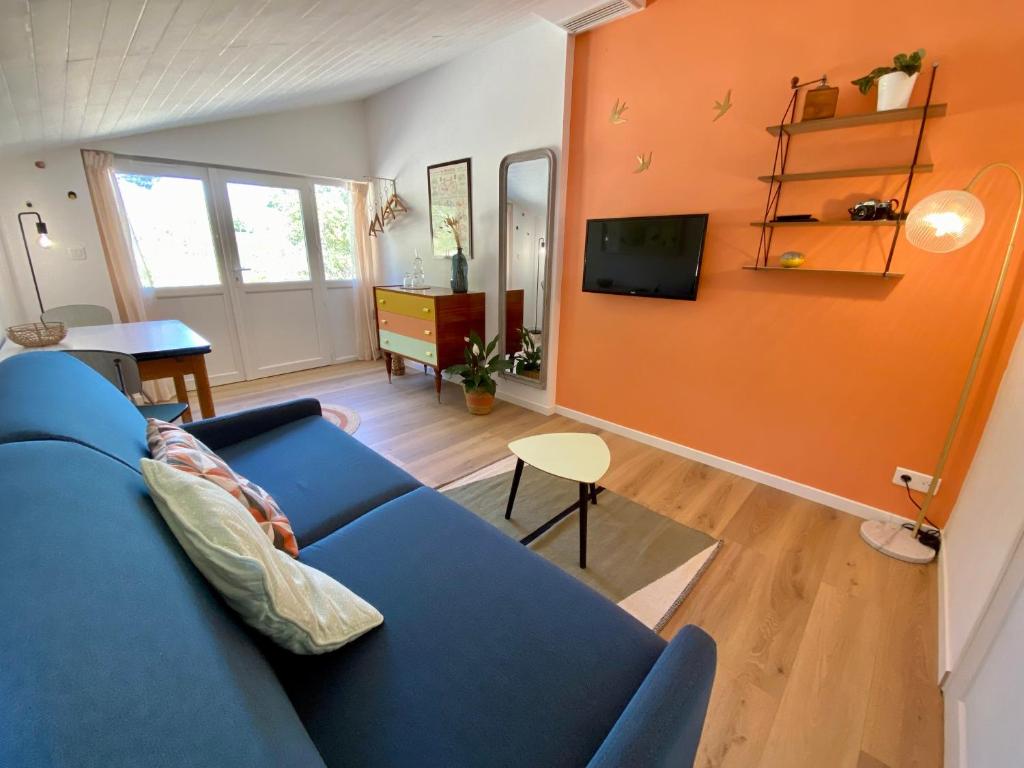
column 51, row 395
column 114, row 650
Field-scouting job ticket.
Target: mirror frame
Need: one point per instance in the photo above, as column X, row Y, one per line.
column 549, row 231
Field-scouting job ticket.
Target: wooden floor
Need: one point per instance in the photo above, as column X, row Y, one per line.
column 827, row 650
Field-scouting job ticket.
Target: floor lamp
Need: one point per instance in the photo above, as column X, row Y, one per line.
column 44, row 242
column 943, row 222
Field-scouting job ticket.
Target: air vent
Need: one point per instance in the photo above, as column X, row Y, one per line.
column 601, row 14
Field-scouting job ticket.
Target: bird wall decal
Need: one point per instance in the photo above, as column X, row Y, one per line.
column 723, row 106
column 643, row 163
column 616, row 118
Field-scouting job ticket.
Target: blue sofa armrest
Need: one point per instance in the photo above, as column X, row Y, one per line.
column 221, row 431
column 661, row 725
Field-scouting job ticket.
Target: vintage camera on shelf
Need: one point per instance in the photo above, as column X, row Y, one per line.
column 875, row 210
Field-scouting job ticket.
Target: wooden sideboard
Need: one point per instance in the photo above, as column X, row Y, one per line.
column 428, row 325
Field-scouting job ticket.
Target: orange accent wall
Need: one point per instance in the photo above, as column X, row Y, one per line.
column 826, row 380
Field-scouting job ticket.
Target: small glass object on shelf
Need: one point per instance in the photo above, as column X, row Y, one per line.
column 419, row 279
column 407, row 281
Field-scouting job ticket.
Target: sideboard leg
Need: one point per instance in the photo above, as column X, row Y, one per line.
column 437, row 382
column 387, row 364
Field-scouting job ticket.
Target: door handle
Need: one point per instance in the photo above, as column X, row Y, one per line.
column 243, row 269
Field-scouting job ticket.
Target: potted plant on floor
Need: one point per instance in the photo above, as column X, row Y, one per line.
column 527, row 360
column 478, row 373
column 895, row 83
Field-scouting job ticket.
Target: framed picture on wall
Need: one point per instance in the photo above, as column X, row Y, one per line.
column 449, row 186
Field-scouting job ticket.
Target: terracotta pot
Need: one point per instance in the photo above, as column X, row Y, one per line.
column 531, row 374
column 479, row 402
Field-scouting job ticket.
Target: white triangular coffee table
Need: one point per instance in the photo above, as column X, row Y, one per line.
column 577, row 456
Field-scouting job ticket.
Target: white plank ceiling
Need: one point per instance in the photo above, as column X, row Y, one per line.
column 73, row 70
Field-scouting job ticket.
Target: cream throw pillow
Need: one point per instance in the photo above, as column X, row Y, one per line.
column 298, row 607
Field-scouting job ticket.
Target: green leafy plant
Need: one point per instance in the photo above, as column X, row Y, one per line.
column 482, row 363
column 909, row 64
column 529, row 357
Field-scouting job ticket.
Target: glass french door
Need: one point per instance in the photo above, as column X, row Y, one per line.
column 275, row 271
column 171, row 223
column 260, row 264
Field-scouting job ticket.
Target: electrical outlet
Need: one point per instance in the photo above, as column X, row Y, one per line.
column 77, row 254
column 919, row 481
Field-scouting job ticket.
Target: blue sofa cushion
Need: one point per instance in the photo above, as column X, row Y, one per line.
column 321, row 477
column 488, row 655
column 115, row 650
column 50, row 395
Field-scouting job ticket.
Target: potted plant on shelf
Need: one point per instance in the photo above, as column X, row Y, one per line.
column 895, row 83
column 527, row 360
column 478, row 373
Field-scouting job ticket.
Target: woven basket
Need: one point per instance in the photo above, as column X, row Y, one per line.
column 37, row 334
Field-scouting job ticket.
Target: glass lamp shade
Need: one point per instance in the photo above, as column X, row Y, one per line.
column 945, row 221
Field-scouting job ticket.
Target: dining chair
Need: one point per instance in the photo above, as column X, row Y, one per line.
column 75, row 315
column 122, row 371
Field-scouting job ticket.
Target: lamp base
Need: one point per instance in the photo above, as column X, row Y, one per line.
column 894, row 540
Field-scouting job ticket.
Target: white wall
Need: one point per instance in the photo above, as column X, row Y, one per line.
column 988, row 517
column 320, row 141
column 505, row 98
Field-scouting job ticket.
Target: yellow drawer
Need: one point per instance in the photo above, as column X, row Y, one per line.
column 408, row 347
column 406, row 304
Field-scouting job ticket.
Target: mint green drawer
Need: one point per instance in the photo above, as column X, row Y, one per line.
column 408, row 347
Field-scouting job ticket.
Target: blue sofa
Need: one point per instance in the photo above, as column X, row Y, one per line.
column 116, row 651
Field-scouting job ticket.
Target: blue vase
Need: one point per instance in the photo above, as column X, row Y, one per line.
column 460, row 272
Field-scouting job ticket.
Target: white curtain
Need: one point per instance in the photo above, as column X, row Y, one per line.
column 365, row 257
column 134, row 300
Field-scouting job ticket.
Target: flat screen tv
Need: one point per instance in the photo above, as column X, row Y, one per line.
column 654, row 256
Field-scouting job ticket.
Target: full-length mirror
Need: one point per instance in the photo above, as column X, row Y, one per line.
column 526, row 204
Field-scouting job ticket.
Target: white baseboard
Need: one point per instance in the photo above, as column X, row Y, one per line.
column 843, row 504
column 522, row 402
column 943, row 665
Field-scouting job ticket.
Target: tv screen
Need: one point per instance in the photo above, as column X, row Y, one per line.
column 655, row 256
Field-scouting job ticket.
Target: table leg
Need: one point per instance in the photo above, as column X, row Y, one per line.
column 584, row 498
column 515, row 487
column 581, row 505
column 203, row 387
column 181, row 393
column 593, row 493
column 177, row 368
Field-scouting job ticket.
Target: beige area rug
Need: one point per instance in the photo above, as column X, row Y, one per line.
column 343, row 418
column 645, row 562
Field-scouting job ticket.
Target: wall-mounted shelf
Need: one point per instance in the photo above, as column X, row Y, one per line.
column 853, row 121
column 784, row 133
column 849, row 173
column 826, row 223
column 812, row 271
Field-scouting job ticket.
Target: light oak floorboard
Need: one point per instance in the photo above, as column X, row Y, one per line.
column 827, row 650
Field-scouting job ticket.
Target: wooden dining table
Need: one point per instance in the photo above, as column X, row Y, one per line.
column 164, row 349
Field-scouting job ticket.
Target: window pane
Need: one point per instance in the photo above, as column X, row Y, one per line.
column 170, row 230
column 269, row 233
column 334, row 210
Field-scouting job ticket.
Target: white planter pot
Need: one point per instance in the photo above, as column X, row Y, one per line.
column 894, row 90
